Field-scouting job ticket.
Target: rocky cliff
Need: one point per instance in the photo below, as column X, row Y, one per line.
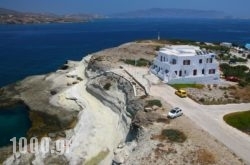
column 90, row 110
column 117, row 93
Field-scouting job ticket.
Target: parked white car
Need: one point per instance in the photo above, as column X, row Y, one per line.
column 175, row 112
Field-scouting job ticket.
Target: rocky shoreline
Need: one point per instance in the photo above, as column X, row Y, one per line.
column 58, row 101
column 35, row 92
column 100, row 109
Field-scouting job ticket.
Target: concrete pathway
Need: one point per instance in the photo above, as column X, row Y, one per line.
column 210, row 118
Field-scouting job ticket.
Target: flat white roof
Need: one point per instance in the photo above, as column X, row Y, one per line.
column 183, row 50
column 226, row 43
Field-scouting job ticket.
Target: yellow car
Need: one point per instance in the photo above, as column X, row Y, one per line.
column 181, row 93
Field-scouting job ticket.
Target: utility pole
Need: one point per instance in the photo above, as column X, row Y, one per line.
column 159, row 37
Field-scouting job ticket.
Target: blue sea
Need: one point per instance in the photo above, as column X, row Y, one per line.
column 14, row 122
column 37, row 49
column 41, row 48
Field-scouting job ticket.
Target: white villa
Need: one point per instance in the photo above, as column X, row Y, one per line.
column 186, row 64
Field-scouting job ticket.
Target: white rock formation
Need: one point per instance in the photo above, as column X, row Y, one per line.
column 98, row 128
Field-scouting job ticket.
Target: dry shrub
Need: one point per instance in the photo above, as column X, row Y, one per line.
column 232, row 87
column 242, row 93
column 171, row 135
column 158, row 153
column 5, row 153
column 163, row 120
column 107, row 86
column 158, row 137
column 205, row 157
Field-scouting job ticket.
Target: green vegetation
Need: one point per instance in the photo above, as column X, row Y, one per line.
column 239, row 59
column 180, row 86
column 227, row 57
column 218, row 101
column 216, row 48
column 174, row 135
column 107, row 86
column 79, row 79
column 224, row 57
column 98, row 158
column 243, row 83
column 130, row 62
column 240, row 71
column 181, row 41
column 247, row 77
column 151, row 103
column 157, row 48
column 140, row 62
column 53, row 92
column 239, row 120
column 202, row 100
column 237, row 71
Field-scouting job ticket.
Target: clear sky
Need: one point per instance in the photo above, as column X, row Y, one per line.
column 232, row 7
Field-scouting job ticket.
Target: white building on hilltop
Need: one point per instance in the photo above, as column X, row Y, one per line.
column 226, row 44
column 186, row 64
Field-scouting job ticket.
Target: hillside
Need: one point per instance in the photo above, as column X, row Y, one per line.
column 170, row 13
column 15, row 17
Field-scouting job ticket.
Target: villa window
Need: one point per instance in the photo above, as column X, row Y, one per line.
column 173, row 61
column 200, row 61
column 211, row 71
column 186, row 62
column 195, row 72
column 203, row 71
column 209, row 60
column 175, row 72
column 180, row 73
column 166, row 71
column 161, row 58
column 185, row 72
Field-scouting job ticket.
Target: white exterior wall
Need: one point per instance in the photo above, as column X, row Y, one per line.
column 226, row 44
column 187, row 70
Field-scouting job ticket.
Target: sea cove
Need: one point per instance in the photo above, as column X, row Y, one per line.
column 14, row 123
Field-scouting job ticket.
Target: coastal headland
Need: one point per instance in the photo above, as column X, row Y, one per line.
column 15, row 17
column 104, row 107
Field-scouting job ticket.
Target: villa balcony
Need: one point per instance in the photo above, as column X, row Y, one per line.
column 159, row 61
